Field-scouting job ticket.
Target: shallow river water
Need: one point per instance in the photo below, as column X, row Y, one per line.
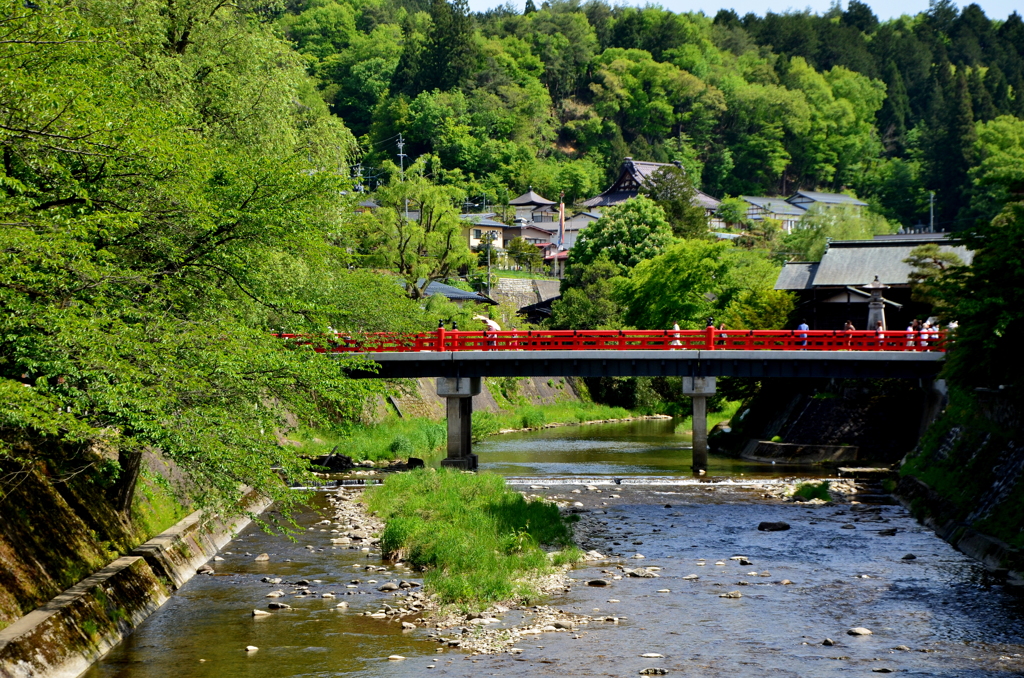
column 938, row 614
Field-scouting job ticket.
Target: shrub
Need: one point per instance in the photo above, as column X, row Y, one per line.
column 401, row 446
column 533, row 417
column 813, row 491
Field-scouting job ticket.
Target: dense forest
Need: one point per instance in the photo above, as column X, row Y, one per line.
column 556, row 97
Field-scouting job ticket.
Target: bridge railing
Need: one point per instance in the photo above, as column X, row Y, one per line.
column 631, row 340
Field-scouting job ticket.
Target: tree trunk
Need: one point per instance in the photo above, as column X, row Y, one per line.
column 123, row 492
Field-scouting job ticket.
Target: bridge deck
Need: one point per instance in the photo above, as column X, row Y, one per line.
column 656, row 363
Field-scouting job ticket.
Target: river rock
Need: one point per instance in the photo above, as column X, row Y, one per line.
column 396, row 658
column 260, row 613
column 217, row 559
column 415, row 462
column 690, row 577
column 594, row 555
column 262, row 558
column 343, row 604
column 274, row 594
column 767, row 526
column 637, row 556
column 731, row 594
column 859, row 631
column 664, row 591
column 848, row 526
column 653, row 671
column 641, row 573
column 408, row 626
column 828, row 642
column 251, row 648
column 204, row 569
column 902, row 648
column 883, row 669
column 891, row 532
column 652, row 655
column 909, row 556
column 390, row 586
column 279, row 606
column 597, row 582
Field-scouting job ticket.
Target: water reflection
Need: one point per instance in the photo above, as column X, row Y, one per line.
column 638, row 448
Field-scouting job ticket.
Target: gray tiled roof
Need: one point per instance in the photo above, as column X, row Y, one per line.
column 530, row 198
column 796, row 275
column 857, row 262
column 828, row 198
column 775, row 205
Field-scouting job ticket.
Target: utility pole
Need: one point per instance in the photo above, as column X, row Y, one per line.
column 931, row 211
column 401, row 165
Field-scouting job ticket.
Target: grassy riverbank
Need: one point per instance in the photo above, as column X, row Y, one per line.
column 479, row 540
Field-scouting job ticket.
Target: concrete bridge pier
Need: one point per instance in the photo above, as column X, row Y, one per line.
column 459, row 392
column 699, row 388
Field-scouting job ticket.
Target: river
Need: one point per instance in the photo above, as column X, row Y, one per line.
column 937, row 614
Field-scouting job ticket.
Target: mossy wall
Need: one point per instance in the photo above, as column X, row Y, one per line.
column 972, row 461
column 57, row 527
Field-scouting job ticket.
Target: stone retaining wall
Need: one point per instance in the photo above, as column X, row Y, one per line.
column 64, row 637
column 934, row 510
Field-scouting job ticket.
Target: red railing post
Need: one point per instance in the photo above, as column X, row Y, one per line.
column 709, row 342
column 440, row 338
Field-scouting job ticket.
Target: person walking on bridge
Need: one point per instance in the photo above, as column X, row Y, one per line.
column 675, row 336
column 803, row 327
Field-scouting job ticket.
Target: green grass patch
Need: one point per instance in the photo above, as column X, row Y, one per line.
column 392, row 438
column 813, row 491
column 477, row 539
column 728, row 410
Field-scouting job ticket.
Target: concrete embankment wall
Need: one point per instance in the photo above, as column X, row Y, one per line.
column 822, row 420
column 419, row 396
column 65, row 636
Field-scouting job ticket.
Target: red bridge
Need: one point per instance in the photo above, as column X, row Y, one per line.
column 460, row 359
column 636, row 340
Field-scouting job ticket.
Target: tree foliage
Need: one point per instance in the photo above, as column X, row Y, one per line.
column 171, row 192
column 625, row 234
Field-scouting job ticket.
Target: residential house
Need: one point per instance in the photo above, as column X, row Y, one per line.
column 780, row 210
column 483, row 227
column 830, row 292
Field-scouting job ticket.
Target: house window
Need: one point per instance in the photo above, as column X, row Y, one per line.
column 477, row 233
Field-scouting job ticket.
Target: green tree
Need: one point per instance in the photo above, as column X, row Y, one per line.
column 627, row 234
column 695, row 279
column 426, row 249
column 167, row 183
column 523, row 253
column 588, row 301
column 931, row 265
column 672, row 189
column 810, row 238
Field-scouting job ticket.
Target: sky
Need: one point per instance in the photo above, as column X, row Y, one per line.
column 994, row 9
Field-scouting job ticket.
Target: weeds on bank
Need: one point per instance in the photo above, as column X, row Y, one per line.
column 390, row 439
column 813, row 491
column 532, row 416
column 478, row 540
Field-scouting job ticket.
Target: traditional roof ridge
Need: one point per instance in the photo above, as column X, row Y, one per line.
column 530, row 198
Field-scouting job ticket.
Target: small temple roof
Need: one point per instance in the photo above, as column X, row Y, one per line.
column 529, row 199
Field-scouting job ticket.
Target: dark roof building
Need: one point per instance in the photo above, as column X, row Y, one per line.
column 633, row 174
column 830, row 291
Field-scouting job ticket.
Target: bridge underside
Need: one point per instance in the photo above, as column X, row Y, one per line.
column 755, row 364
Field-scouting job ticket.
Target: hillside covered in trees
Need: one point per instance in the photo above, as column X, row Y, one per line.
column 557, row 96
